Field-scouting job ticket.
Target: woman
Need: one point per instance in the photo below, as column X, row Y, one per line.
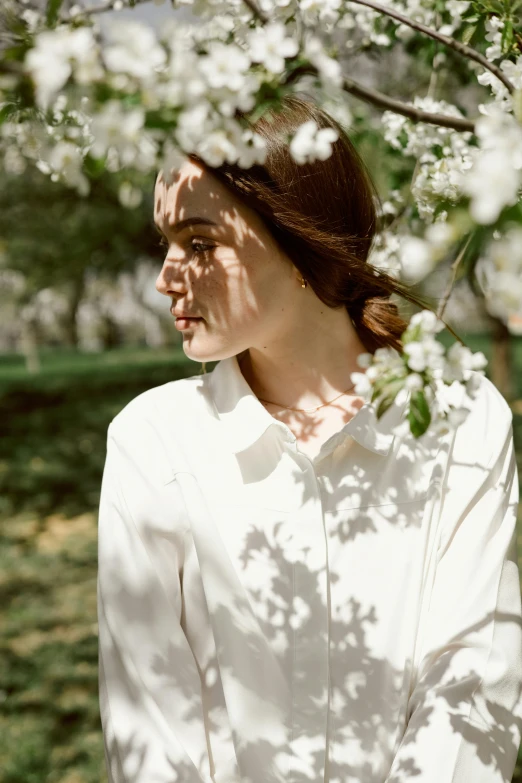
column 288, row 589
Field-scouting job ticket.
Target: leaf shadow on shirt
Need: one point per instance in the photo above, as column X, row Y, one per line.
column 132, row 754
column 389, row 723
column 366, row 717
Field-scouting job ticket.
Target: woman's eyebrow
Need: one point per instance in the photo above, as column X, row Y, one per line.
column 195, row 220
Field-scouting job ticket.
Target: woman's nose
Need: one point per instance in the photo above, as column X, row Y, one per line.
column 165, row 282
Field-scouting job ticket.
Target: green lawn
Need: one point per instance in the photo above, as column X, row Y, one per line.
column 51, row 461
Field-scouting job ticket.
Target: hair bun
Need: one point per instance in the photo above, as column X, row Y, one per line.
column 378, row 322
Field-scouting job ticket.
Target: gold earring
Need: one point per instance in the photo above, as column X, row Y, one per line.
column 304, row 282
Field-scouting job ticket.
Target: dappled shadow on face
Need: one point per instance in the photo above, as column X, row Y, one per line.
column 229, row 284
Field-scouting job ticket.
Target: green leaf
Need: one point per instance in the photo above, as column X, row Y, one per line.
column 390, row 392
column 94, row 167
column 507, row 36
column 468, row 33
column 385, row 403
column 381, row 385
column 52, row 11
column 419, row 414
column 6, row 111
column 411, row 334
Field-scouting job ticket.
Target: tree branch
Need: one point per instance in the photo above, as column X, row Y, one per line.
column 379, row 99
column 383, row 101
column 412, row 112
column 98, row 9
column 457, row 46
column 368, row 94
column 449, row 287
column 466, row 51
column 256, row 11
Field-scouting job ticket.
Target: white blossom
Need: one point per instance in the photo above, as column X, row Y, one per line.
column 198, row 75
column 460, row 362
column 364, row 359
column 66, row 161
column 32, row 18
column 438, row 176
column 440, row 235
column 56, row 55
column 416, row 259
column 513, row 71
column 414, row 382
column 194, row 124
column 448, row 395
column 329, row 69
column 114, row 127
column 225, row 65
column 498, row 163
column 319, row 10
column 385, row 253
column 129, row 195
column 311, row 142
column 499, row 274
column 133, row 49
column 216, row 148
column 427, row 321
column 253, row 150
column 495, row 168
column 457, row 7
column 424, row 354
column 270, row 46
column 362, row 385
column 494, row 26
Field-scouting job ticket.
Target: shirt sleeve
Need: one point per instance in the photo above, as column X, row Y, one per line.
column 149, row 683
column 465, row 713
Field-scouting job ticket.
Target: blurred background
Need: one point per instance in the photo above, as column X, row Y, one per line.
column 96, row 334
column 82, row 332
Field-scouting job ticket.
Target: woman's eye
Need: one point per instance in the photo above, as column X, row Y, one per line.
column 201, row 247
column 198, row 247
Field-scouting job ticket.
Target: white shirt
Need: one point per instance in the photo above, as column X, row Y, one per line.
column 265, row 617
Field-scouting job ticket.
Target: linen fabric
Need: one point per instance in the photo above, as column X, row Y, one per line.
column 267, row 617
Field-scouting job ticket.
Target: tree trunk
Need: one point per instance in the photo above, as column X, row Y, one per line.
column 29, row 345
column 109, row 332
column 502, row 359
column 70, row 322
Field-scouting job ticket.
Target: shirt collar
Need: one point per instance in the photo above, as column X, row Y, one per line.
column 245, row 418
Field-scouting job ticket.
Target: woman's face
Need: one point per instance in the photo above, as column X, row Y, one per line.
column 227, row 268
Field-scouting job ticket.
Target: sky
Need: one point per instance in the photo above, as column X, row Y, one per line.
column 149, row 12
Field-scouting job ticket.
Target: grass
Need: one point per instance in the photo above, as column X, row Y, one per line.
column 51, row 462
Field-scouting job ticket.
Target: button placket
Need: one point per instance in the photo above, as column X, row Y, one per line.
column 310, row 675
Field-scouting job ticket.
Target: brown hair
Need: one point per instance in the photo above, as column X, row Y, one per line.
column 324, row 216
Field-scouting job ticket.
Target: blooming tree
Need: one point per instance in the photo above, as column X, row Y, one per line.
column 79, row 98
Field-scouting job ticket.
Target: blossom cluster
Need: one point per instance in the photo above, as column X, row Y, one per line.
column 499, row 273
column 125, row 98
column 495, row 178
column 383, row 31
column 434, row 379
column 163, row 97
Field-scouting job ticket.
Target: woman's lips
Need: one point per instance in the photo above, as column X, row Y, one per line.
column 185, row 323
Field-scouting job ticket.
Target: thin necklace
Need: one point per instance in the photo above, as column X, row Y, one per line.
column 308, row 410
column 303, row 410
